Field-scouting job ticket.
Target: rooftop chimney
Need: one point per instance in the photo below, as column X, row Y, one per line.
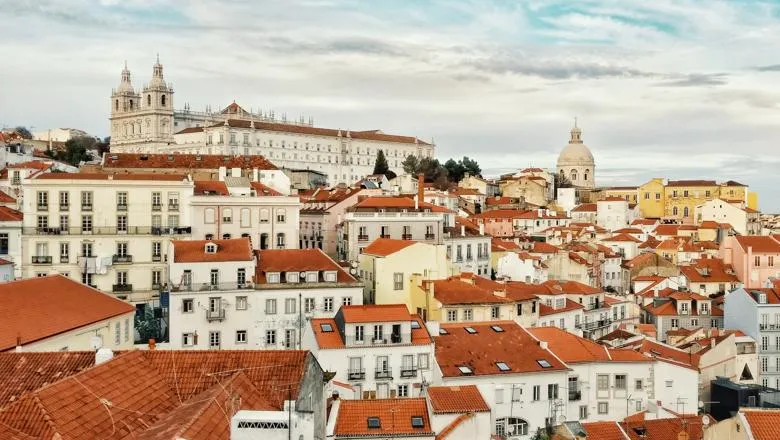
column 420, row 190
column 481, row 229
column 152, row 343
column 103, row 355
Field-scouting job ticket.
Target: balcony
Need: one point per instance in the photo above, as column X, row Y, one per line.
column 384, row 235
column 64, row 206
column 173, row 207
column 769, row 327
column 122, row 259
column 109, row 230
column 383, row 373
column 121, row 207
column 204, row 287
column 362, row 237
column 42, row 207
column 122, row 288
column 358, row 374
column 156, row 207
column 85, row 207
column 575, row 396
column 592, row 325
column 406, row 236
column 430, row 236
column 41, row 259
column 156, row 258
column 215, row 315
column 408, row 371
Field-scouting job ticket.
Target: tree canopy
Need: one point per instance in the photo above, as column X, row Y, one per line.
column 24, row 132
column 76, row 150
column 441, row 175
column 380, row 165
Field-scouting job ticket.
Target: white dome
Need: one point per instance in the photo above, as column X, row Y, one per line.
column 576, row 153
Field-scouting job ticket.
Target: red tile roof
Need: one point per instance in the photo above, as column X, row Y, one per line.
column 480, row 352
column 5, row 198
column 604, row 431
column 540, row 247
column 585, row 207
column 573, row 349
column 31, row 165
column 664, row 429
column 38, row 308
column 759, row 243
column 24, row 372
column 395, row 417
column 644, row 221
column 194, row 251
column 211, row 188
column 334, row 339
column 674, row 183
column 570, row 287
column 377, row 202
column 10, row 215
column 383, row 247
column 666, row 230
column 185, row 161
column 764, row 424
column 264, row 190
column 375, row 313
column 454, row 290
column 623, row 238
column 709, row 270
column 291, row 260
column 456, row 399
column 104, row 176
column 545, row 310
column 664, row 353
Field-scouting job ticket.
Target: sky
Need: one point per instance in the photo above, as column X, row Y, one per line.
column 681, row 89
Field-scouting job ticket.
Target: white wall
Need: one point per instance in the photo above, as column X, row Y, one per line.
column 80, row 339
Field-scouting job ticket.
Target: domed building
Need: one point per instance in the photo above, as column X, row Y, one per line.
column 576, row 161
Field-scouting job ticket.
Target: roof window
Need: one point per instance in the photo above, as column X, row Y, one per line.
column 471, row 330
column 503, row 366
column 211, row 248
column 443, row 331
column 465, row 370
column 415, row 325
column 497, row 328
column 417, row 422
column 326, row 328
column 374, row 423
column 543, row 363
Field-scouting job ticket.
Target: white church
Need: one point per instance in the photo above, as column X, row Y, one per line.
column 145, row 121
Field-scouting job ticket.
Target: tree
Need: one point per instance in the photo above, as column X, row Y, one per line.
column 471, row 166
column 455, row 170
column 76, row 150
column 380, row 165
column 24, row 132
column 561, row 181
column 411, row 164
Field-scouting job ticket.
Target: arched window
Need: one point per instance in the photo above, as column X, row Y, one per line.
column 263, row 241
column 131, row 104
column 573, row 175
column 585, row 176
column 674, row 211
column 149, row 100
column 685, row 212
column 162, row 100
column 116, row 105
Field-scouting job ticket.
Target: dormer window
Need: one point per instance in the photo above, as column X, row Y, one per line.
column 291, row 277
column 211, row 248
column 330, row 276
column 272, row 277
column 311, row 276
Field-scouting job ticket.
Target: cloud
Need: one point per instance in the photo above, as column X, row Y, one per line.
column 563, row 69
column 697, row 80
column 768, row 68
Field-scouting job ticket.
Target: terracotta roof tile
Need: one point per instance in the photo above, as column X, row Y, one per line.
column 540, row 247
column 764, row 424
column 377, row 202
column 334, row 339
column 25, row 372
column 10, row 215
column 623, row 238
column 395, row 418
column 665, row 353
column 759, row 243
column 290, row 260
column 499, row 245
column 264, row 190
column 194, row 251
column 571, row 287
column 673, row 183
column 5, row 198
column 456, row 399
column 31, row 165
column 375, row 313
column 37, row 308
column 585, row 207
column 383, row 247
column 185, row 161
column 211, row 188
column 454, row 290
column 105, row 176
column 604, row 431
column 482, row 350
column 545, row 310
column 664, row 429
column 709, row 270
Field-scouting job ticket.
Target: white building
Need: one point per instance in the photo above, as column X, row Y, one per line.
column 108, row 231
column 245, row 300
column 237, row 207
column 576, row 162
column 380, row 351
column 613, row 213
column 468, row 247
column 744, row 220
column 54, row 313
column 523, row 382
column 11, row 240
column 757, row 313
column 59, row 134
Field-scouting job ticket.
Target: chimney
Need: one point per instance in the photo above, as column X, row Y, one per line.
column 543, row 345
column 481, row 229
column 462, row 231
column 420, row 190
column 103, row 355
column 152, row 343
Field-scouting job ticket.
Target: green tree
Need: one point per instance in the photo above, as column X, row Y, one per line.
column 380, row 165
column 76, row 150
column 455, row 170
column 411, row 164
column 471, row 166
column 24, row 132
column 561, row 181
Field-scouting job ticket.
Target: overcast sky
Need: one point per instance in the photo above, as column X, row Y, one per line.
column 662, row 88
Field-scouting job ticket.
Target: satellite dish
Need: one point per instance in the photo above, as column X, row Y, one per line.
column 353, row 264
column 705, row 420
column 352, row 270
column 302, row 274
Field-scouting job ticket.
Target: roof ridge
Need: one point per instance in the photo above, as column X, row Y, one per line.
column 206, row 403
column 454, row 424
column 47, row 419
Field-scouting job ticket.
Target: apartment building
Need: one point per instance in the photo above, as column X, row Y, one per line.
column 744, row 220
column 754, row 258
column 380, row 351
column 11, row 239
column 709, row 276
column 225, row 295
column 468, row 247
column 685, row 310
column 107, row 231
column 237, row 207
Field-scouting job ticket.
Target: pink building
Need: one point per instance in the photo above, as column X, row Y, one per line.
column 755, row 258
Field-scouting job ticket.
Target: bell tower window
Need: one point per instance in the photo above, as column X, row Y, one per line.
column 162, row 100
column 116, row 105
column 573, row 175
column 149, row 100
column 131, row 104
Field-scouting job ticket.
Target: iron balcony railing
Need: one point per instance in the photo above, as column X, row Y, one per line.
column 769, row 327
column 41, row 259
column 383, row 373
column 109, row 230
column 408, row 371
column 215, row 315
column 575, row 395
column 119, row 259
column 121, row 207
column 356, row 374
column 202, row 287
column 122, row 288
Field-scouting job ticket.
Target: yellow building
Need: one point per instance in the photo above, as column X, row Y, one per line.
column 651, row 198
column 627, row 193
column 683, row 196
column 386, row 266
column 532, row 189
column 752, row 200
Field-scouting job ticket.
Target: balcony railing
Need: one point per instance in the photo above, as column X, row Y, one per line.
column 156, row 207
column 203, row 287
column 120, row 259
column 383, row 373
column 385, row 235
column 215, row 315
column 358, row 374
column 64, row 206
column 85, row 207
column 592, row 325
column 41, row 259
column 122, row 288
column 430, row 236
column 156, row 258
column 406, row 236
column 42, row 207
column 121, row 207
column 173, row 207
column 575, row 395
column 408, row 371
column 769, row 327
column 109, row 230
column 362, row 237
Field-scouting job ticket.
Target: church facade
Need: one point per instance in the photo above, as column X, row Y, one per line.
column 145, row 121
column 576, row 163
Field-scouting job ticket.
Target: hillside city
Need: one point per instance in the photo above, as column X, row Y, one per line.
column 237, row 274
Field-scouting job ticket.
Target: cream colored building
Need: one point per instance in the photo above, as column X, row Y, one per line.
column 576, row 162
column 744, row 220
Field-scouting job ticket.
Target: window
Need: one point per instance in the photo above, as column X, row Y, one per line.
column 4, row 243
column 86, row 200
column 270, row 337
column 227, row 216
column 495, row 312
column 403, row 391
column 270, row 306
column 280, row 240
column 537, row 392
column 452, row 315
column 156, row 250
column 543, row 363
column 359, row 333
column 241, row 276
column 121, row 200
column 464, row 370
column 241, row 303
column 121, row 278
column 602, row 382
column 374, row 423
column 214, row 277
column 328, row 304
column 308, row 305
column 215, row 339
column 502, row 366
column 86, row 223
column 670, row 383
column 289, row 338
column 378, row 332
column 64, row 252
column 173, row 201
column 603, row 407
column 468, row 314
column 638, row 385
column 121, row 249
column 281, row 215
column 43, row 221
column 156, row 278
column 398, row 281
column 240, row 336
column 187, row 339
column 675, row 322
column 499, row 395
column 43, row 200
column 117, row 334
column 757, row 261
column 620, row 381
column 289, row 306
column 552, row 391
column 423, row 362
column 583, row 412
column 156, row 201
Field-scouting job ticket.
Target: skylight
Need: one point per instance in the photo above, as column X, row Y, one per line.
column 443, row 331
column 503, row 366
column 471, row 330
column 326, row 328
column 415, row 325
column 374, row 423
column 465, row 370
column 543, row 363
column 417, row 422
column 497, row 328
